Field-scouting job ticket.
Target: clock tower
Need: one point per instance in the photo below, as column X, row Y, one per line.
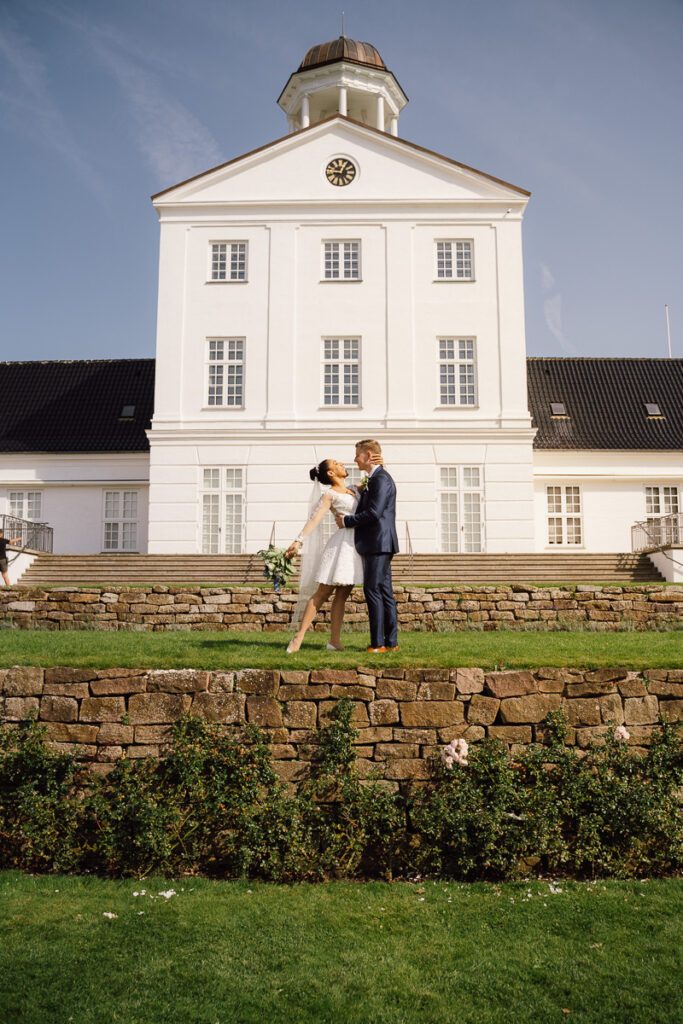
column 343, row 77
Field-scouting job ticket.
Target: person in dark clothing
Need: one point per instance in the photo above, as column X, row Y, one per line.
column 4, row 564
column 374, row 523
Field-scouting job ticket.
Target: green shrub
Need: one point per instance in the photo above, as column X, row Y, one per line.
column 357, row 825
column 612, row 813
column 199, row 808
column 213, row 805
column 467, row 823
column 39, row 808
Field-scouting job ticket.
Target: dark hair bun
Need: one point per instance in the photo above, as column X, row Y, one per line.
column 314, row 473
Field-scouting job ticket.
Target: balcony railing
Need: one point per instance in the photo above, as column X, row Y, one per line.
column 34, row 536
column 663, row 532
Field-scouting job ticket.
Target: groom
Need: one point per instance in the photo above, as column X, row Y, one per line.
column 376, row 542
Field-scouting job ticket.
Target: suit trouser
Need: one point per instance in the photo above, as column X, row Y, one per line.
column 379, row 595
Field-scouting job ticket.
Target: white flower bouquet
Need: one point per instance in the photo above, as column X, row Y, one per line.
column 277, row 567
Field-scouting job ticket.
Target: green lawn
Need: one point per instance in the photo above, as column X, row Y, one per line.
column 340, row 953
column 267, row 650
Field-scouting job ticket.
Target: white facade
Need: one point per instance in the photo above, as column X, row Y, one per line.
column 341, row 284
column 81, row 496
column 615, row 490
column 402, row 205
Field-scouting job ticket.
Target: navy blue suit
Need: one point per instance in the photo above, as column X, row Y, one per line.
column 374, row 523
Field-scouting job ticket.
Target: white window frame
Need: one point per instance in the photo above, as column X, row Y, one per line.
column 344, row 364
column 235, row 259
column 456, row 255
column 662, row 500
column 457, row 371
column 225, row 376
column 456, row 494
column 121, row 520
column 25, row 504
column 562, row 516
column 220, row 482
column 334, row 257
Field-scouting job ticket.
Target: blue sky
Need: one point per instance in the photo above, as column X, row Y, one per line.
column 104, row 103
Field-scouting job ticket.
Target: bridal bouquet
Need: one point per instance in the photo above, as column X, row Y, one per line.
column 276, row 566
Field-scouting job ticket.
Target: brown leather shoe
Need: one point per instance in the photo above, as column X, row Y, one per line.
column 377, row 650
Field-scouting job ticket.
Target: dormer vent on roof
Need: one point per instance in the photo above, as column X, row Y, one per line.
column 653, row 411
column 558, row 409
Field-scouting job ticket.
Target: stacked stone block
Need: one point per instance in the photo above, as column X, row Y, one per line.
column 253, row 609
column 403, row 716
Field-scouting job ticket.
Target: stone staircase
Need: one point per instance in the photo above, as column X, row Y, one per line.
column 429, row 570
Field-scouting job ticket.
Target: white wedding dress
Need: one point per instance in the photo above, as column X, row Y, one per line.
column 340, row 564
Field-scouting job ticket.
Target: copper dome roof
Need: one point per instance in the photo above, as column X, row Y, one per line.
column 342, row 49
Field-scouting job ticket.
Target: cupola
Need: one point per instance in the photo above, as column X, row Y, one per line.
column 344, row 77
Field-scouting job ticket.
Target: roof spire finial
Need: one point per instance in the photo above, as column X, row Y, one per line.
column 343, row 33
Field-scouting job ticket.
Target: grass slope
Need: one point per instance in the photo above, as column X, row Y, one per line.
column 229, row 650
column 236, row 953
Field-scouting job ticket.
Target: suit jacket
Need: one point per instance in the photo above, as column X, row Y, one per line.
column 374, row 520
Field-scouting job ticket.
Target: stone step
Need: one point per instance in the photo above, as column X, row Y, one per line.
column 435, row 569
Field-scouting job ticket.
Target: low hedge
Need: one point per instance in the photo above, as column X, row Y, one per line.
column 213, row 805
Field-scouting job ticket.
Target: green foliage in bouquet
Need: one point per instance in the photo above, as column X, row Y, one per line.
column 277, row 567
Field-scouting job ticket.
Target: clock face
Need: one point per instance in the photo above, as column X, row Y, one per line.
column 340, row 171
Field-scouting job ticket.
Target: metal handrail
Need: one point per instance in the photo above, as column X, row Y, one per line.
column 35, row 536
column 660, row 532
column 409, row 544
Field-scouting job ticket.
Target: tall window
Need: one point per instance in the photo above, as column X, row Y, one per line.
column 662, row 501
column 564, row 515
column 328, row 526
column 26, row 505
column 226, row 372
column 341, row 371
column 457, row 371
column 454, row 261
column 461, row 501
column 120, row 520
column 222, row 507
column 228, row 261
column 342, row 261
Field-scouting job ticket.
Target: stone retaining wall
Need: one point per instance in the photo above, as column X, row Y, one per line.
column 517, row 606
column 403, row 716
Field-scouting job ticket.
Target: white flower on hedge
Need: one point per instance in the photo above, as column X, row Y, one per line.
column 621, row 734
column 455, row 753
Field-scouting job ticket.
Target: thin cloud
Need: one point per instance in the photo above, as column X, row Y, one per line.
column 547, row 279
column 28, row 102
column 173, row 141
column 552, row 311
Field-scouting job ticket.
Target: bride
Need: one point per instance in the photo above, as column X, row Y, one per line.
column 338, row 567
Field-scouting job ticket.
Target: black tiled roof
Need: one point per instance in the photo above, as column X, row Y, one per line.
column 605, row 403
column 75, row 406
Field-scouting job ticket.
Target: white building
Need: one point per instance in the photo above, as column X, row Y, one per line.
column 342, row 283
